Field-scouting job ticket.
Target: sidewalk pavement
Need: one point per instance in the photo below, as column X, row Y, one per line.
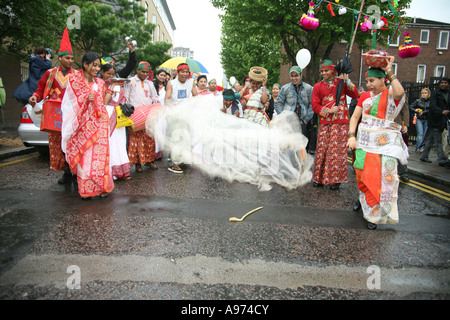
column 429, row 171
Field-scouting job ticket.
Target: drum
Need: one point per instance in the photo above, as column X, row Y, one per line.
column 140, row 115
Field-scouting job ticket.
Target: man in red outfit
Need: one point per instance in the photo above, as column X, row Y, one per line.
column 330, row 164
column 52, row 86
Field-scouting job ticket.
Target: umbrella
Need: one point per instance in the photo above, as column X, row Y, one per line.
column 345, row 66
column 194, row 65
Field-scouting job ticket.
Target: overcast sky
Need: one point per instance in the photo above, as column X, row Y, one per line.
column 198, row 27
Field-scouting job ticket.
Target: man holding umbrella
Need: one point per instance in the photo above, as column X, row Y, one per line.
column 329, row 102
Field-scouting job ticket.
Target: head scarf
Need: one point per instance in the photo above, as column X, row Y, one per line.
column 276, row 85
column 144, row 66
column 182, row 66
column 375, row 73
column 326, row 64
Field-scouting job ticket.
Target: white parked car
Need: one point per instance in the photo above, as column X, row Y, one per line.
column 29, row 130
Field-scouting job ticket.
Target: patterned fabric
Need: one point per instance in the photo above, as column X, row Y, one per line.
column 324, row 98
column 119, row 162
column 141, row 148
column 85, row 136
column 57, row 158
column 255, row 110
column 380, row 144
column 330, row 164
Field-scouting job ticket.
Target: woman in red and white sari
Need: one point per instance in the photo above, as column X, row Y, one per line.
column 85, row 129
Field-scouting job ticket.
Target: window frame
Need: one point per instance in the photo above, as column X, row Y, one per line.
column 428, row 35
column 440, row 37
column 443, row 71
column 424, row 73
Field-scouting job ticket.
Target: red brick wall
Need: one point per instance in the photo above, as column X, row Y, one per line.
column 406, row 68
column 10, row 73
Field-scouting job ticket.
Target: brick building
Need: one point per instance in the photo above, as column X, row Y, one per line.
column 433, row 60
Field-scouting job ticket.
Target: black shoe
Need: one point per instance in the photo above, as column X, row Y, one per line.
column 371, row 226
column 315, row 184
column 443, row 163
column 66, row 178
column 404, row 178
column 335, row 186
column 357, row 206
column 425, row 160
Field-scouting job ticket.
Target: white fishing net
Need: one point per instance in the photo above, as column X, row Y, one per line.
column 197, row 133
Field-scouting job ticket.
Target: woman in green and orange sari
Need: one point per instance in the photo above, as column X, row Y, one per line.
column 378, row 145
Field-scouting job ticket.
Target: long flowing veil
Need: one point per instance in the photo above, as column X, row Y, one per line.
column 196, row 132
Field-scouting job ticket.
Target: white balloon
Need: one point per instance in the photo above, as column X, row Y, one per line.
column 232, row 81
column 303, row 58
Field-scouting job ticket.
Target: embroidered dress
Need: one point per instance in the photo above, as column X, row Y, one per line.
column 85, row 135
column 56, row 92
column 141, row 147
column 380, row 144
column 330, row 164
column 119, row 161
column 255, row 111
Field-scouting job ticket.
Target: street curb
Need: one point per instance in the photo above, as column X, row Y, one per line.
column 5, row 154
column 428, row 176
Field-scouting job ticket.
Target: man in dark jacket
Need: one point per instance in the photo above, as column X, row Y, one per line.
column 437, row 122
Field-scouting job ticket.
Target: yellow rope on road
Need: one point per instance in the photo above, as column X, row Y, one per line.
column 234, row 219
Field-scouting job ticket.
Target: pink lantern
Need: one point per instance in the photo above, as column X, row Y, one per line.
column 366, row 25
column 309, row 22
column 409, row 50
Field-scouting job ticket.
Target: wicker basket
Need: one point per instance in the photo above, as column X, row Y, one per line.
column 375, row 60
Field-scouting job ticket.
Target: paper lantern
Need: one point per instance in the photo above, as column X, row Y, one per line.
column 409, row 50
column 366, row 25
column 308, row 21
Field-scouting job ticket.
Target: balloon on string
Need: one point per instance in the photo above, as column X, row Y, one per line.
column 303, row 58
column 232, row 81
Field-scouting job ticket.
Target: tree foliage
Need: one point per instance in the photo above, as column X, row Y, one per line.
column 29, row 24
column 278, row 21
column 102, row 28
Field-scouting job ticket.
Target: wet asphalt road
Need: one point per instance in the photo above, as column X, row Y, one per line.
column 167, row 236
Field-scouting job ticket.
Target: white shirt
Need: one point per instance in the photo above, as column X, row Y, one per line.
column 140, row 93
column 181, row 91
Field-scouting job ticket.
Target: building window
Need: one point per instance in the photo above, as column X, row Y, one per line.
column 421, row 71
column 439, row 71
column 154, row 22
column 424, row 36
column 146, row 13
column 443, row 40
column 395, row 42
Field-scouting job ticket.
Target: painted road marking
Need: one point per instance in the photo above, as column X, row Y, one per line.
column 17, row 161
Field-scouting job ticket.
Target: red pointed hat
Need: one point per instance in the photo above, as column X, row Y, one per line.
column 65, row 48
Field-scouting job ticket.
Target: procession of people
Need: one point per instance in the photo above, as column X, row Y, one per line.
column 290, row 135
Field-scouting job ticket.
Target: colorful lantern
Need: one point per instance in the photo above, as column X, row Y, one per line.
column 366, row 25
column 309, row 22
column 409, row 50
